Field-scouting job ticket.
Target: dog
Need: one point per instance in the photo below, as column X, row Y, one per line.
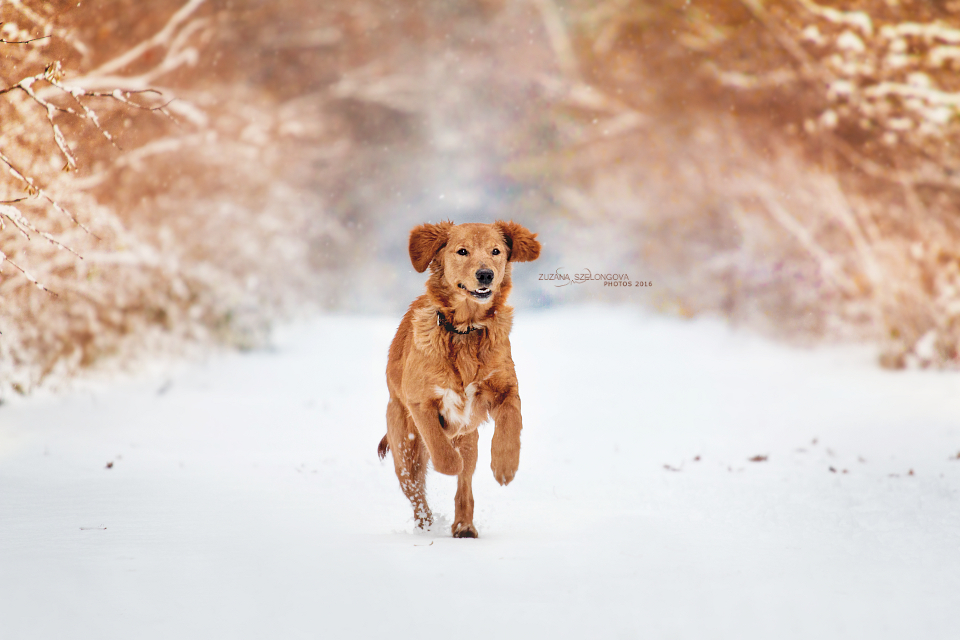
column 449, row 367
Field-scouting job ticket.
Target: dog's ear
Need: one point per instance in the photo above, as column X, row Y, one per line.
column 523, row 244
column 425, row 241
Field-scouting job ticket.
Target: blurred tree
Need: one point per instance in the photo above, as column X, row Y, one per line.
column 792, row 164
column 299, row 130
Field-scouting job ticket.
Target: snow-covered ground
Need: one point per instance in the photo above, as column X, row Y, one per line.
column 245, row 498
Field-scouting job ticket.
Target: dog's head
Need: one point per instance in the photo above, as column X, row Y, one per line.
column 472, row 260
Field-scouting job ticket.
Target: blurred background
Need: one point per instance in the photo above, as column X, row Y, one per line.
column 789, row 165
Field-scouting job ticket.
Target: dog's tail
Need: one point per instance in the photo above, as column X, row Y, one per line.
column 383, row 447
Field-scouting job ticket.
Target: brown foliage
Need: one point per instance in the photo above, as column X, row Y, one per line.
column 790, row 163
column 203, row 225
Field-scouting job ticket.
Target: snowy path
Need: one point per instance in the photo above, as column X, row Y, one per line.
column 246, row 500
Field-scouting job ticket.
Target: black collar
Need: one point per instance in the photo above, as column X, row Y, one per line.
column 443, row 322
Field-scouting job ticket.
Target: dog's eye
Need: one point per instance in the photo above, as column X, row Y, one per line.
column 496, row 252
column 462, row 252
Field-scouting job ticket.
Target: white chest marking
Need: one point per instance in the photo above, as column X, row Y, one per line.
column 457, row 409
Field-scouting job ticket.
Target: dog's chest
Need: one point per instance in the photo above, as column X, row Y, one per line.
column 463, row 389
column 458, row 409
column 464, row 410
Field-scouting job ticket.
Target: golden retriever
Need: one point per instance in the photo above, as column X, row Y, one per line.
column 450, row 367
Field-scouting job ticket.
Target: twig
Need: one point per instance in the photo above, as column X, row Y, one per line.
column 32, row 187
column 48, row 28
column 24, row 227
column 26, row 274
column 2, row 41
column 27, row 86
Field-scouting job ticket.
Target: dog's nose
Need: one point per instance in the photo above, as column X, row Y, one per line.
column 485, row 276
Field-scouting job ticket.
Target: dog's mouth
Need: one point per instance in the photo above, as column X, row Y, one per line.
column 482, row 293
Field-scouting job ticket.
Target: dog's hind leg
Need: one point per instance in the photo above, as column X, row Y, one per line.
column 409, row 460
column 463, row 502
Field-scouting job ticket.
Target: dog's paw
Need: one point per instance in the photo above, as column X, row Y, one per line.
column 424, row 519
column 505, row 470
column 461, row 530
column 505, row 448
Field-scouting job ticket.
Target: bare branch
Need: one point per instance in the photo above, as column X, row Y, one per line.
column 24, row 227
column 26, row 274
column 161, row 38
column 48, row 27
column 53, row 74
column 34, row 189
column 2, row 41
column 27, row 86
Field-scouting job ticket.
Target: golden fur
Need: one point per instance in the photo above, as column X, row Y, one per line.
column 450, row 367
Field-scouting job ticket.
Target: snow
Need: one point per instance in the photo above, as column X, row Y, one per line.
column 246, row 499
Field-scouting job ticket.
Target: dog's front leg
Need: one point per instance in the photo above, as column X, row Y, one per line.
column 505, row 450
column 446, row 459
column 463, row 519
